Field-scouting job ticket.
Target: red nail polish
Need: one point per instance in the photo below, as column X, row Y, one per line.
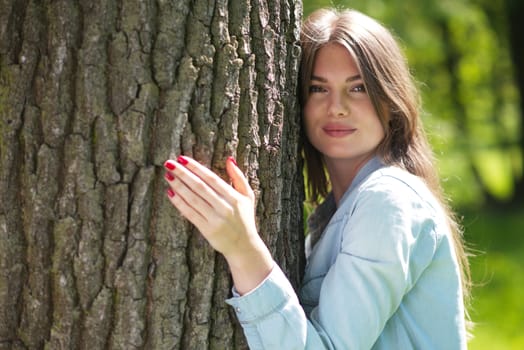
column 169, row 165
column 169, row 177
column 182, row 160
column 170, row 193
column 232, row 160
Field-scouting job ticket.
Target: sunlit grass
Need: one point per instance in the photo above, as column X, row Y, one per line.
column 498, row 308
column 498, row 271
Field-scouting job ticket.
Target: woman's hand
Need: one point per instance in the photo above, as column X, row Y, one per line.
column 224, row 215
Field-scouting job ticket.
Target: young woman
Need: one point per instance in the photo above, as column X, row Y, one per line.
column 386, row 264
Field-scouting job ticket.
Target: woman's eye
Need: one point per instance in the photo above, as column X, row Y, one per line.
column 316, row 88
column 359, row 88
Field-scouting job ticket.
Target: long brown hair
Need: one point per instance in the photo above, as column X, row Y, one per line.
column 394, row 95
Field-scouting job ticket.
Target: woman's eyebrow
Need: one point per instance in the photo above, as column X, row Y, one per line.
column 353, row 78
column 314, row 77
column 324, row 80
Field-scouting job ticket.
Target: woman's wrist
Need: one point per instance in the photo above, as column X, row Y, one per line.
column 249, row 267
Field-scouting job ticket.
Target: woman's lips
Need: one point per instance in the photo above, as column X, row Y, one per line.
column 338, row 130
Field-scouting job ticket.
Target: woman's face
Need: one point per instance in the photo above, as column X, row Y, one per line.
column 340, row 120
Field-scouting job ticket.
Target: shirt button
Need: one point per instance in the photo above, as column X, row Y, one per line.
column 237, row 309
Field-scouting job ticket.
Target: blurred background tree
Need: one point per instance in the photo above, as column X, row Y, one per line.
column 468, row 56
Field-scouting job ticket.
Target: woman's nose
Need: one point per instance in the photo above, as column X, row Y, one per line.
column 338, row 107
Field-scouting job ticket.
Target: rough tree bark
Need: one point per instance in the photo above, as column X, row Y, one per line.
column 94, row 96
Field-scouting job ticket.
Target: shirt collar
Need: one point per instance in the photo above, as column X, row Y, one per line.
column 319, row 219
column 371, row 165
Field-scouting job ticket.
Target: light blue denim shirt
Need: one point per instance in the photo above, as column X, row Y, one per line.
column 382, row 275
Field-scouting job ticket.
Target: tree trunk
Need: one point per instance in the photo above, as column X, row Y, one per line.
column 515, row 10
column 94, row 97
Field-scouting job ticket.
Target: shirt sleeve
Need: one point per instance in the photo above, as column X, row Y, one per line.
column 272, row 317
column 387, row 242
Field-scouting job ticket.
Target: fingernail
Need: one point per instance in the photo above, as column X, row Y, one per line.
column 169, row 177
column 232, row 160
column 170, row 193
column 182, row 160
column 169, row 165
